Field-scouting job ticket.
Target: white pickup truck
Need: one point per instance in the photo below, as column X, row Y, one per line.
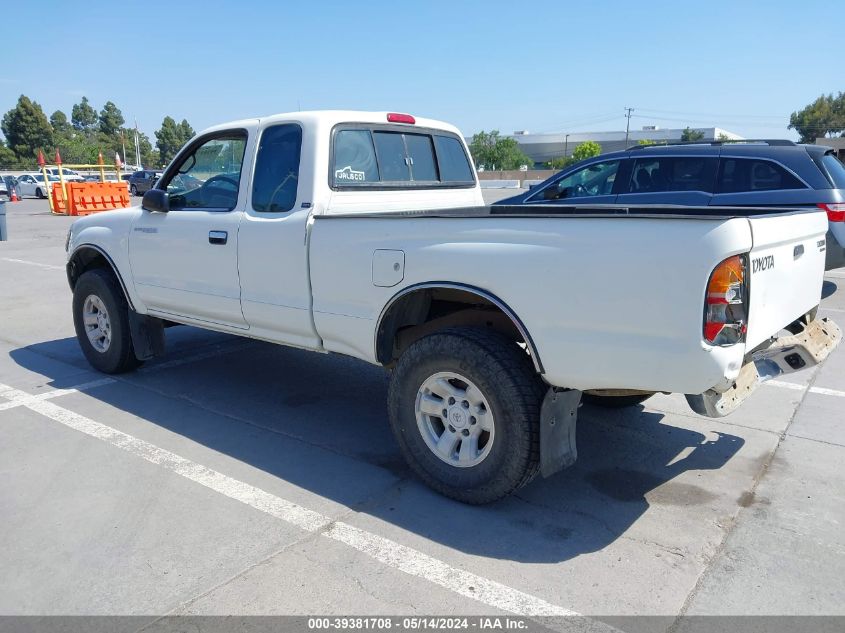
column 365, row 234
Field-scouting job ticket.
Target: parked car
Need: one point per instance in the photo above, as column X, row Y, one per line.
column 5, row 192
column 142, row 181
column 33, row 185
column 69, row 175
column 365, row 234
column 770, row 173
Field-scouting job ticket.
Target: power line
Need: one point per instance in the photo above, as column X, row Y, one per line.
column 628, row 124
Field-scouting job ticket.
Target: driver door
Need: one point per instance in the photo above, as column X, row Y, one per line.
column 185, row 261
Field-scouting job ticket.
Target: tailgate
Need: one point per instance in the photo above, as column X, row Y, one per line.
column 786, row 267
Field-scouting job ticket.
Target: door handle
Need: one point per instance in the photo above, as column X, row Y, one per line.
column 218, row 237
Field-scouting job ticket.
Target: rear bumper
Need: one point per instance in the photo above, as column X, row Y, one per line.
column 786, row 355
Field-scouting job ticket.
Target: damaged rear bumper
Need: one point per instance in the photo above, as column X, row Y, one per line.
column 786, row 355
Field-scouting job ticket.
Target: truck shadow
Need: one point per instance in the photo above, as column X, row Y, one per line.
column 319, row 423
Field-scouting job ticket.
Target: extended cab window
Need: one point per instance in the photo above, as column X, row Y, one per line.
column 673, row 173
column 390, row 157
column 737, row 175
column 277, row 169
column 209, row 175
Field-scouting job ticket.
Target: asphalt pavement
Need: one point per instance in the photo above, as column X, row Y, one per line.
column 236, row 477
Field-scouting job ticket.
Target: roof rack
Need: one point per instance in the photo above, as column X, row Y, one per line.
column 739, row 141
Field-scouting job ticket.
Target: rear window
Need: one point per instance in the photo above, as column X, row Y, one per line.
column 673, row 173
column 389, row 157
column 835, row 169
column 738, row 175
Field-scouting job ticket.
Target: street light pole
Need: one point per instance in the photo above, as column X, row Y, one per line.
column 566, row 146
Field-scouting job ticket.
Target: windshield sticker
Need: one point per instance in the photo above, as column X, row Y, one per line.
column 350, row 175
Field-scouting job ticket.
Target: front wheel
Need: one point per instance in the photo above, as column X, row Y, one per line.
column 133, row 190
column 101, row 320
column 464, row 407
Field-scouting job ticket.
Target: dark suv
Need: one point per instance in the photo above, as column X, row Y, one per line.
column 746, row 173
column 142, row 181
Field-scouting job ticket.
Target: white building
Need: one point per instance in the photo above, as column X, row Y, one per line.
column 545, row 147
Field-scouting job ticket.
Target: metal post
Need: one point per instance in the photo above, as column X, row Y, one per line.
column 43, row 164
column 3, row 235
column 61, row 177
column 566, row 146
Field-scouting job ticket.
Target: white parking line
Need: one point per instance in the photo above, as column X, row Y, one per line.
column 390, row 553
column 28, row 263
column 820, row 390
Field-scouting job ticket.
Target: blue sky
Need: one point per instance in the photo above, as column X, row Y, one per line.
column 542, row 66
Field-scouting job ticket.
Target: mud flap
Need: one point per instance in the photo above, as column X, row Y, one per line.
column 147, row 335
column 557, row 430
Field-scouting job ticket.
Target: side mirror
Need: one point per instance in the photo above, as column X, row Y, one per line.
column 532, row 186
column 156, row 200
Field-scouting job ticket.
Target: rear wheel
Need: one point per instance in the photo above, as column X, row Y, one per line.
column 101, row 320
column 465, row 409
column 39, row 193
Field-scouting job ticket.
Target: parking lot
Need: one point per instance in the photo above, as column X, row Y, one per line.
column 242, row 478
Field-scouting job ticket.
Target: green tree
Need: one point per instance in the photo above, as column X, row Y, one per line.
column 167, row 139
column 689, row 135
column 83, row 116
column 170, row 138
column 61, row 126
column 111, row 119
column 186, row 131
column 491, row 151
column 561, row 162
column 7, row 156
column 586, row 150
column 823, row 117
column 27, row 129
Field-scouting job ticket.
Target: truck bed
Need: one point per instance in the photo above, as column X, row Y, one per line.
column 584, row 211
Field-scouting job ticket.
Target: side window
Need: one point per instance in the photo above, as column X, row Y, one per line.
column 738, row 175
column 277, row 169
column 390, row 148
column 208, row 177
column 681, row 173
column 454, row 165
column 594, row 180
column 354, row 158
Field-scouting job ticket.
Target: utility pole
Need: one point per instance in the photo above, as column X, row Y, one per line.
column 627, row 125
column 566, row 146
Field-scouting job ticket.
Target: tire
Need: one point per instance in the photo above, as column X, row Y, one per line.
column 615, row 402
column 509, row 457
column 97, row 291
column 39, row 194
column 133, row 190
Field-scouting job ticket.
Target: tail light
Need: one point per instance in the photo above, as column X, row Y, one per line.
column 725, row 304
column 835, row 212
column 396, row 117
